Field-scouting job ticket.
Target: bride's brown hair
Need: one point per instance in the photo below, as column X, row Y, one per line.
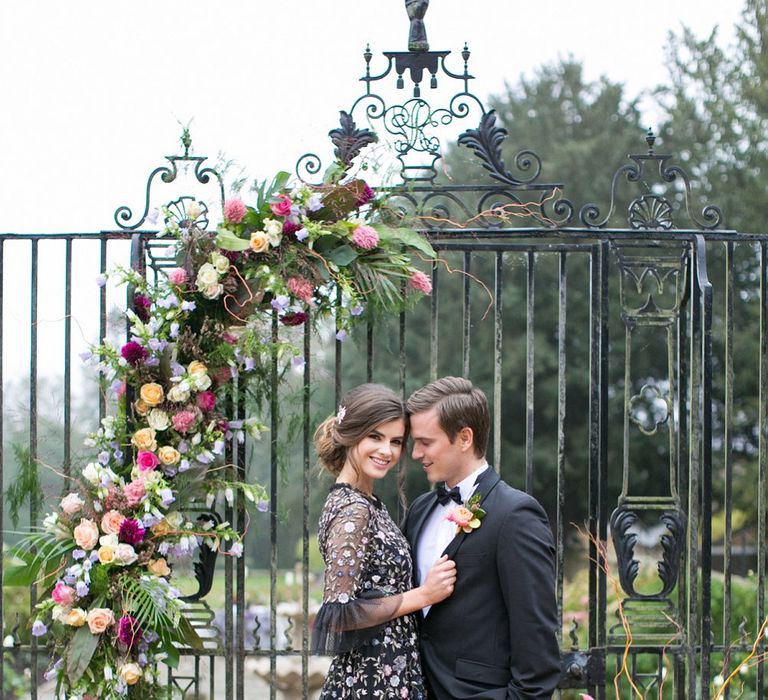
column 360, row 411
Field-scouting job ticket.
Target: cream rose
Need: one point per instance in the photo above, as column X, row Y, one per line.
column 91, row 474
column 206, row 276
column 140, row 407
column 106, row 554
column 168, row 455
column 151, row 394
column 144, row 439
column 125, row 554
column 179, row 393
column 111, row 522
column 86, row 534
column 130, row 673
column 212, row 291
column 75, row 617
column 220, row 262
column 71, row 503
column 158, row 420
column 201, row 381
column 99, row 619
column 158, row 567
column 193, row 211
column 197, row 367
column 259, row 241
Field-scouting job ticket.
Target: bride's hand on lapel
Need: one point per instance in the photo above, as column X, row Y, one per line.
column 440, row 580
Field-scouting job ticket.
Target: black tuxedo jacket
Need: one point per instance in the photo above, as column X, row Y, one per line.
column 495, row 638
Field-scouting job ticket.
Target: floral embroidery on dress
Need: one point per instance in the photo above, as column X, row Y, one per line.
column 368, row 568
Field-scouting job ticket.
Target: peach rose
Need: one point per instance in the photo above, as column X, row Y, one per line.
column 161, row 529
column 151, row 394
column 259, row 241
column 71, row 503
column 158, row 567
column 99, row 619
column 144, row 439
column 131, row 673
column 111, row 522
column 140, row 407
column 168, row 455
column 75, row 617
column 106, row 554
column 86, row 534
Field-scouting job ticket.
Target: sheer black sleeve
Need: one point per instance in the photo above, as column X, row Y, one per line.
column 349, row 616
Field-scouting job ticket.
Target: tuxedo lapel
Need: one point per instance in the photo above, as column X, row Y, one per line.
column 488, row 481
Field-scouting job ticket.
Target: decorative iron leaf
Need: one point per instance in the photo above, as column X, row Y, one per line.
column 624, row 544
column 486, row 142
column 671, row 545
column 349, row 140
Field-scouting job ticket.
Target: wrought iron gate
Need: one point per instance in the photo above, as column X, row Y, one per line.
column 629, row 379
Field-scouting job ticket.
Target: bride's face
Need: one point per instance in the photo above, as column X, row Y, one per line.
column 379, row 450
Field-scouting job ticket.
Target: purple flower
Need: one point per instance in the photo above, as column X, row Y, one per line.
column 128, row 630
column 167, row 498
column 103, row 457
column 174, row 332
column 38, row 628
column 302, row 234
column 131, row 532
column 78, row 554
column 188, row 306
column 280, row 302
column 86, row 355
column 148, row 520
column 152, row 362
column 184, row 465
column 356, row 310
column 314, row 203
column 262, row 506
column 236, row 549
column 365, row 197
column 298, row 362
column 249, row 364
column 101, row 280
column 156, row 344
column 82, row 589
column 341, row 336
column 141, row 305
column 116, row 387
column 133, row 352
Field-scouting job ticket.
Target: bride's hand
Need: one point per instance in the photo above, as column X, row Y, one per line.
column 440, row 580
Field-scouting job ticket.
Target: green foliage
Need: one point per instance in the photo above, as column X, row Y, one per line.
column 80, row 652
column 25, row 487
column 41, row 554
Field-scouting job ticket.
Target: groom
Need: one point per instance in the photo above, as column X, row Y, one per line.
column 495, row 638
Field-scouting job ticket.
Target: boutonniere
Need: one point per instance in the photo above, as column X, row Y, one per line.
column 467, row 516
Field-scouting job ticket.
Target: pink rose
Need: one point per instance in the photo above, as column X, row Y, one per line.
column 420, row 282
column 234, row 210
column 206, row 400
column 71, row 503
column 183, row 421
column 86, row 534
column 365, row 237
column 134, row 493
column 177, row 276
column 63, row 594
column 283, row 207
column 147, row 460
column 110, row 523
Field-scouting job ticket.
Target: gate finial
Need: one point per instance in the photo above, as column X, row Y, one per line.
column 417, row 37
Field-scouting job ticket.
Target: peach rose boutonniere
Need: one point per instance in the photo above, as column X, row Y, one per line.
column 469, row 516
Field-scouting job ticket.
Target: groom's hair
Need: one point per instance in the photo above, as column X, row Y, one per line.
column 459, row 405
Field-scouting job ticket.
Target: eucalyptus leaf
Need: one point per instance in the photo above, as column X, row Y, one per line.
column 343, row 255
column 189, row 634
column 80, row 652
column 407, row 236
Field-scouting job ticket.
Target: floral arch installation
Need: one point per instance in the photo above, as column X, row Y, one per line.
column 643, row 263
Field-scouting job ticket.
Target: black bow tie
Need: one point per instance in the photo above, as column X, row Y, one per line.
column 445, row 496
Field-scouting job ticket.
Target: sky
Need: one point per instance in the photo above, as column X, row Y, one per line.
column 95, row 91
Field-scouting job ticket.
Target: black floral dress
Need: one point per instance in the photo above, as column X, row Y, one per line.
column 367, row 569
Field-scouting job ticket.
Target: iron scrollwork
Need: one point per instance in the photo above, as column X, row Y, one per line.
column 205, row 566
column 624, row 542
column 652, row 211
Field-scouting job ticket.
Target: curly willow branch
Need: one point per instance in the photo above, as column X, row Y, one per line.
column 753, row 657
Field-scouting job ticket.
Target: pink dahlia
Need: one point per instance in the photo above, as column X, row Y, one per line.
column 134, row 493
column 147, row 460
column 234, row 210
column 131, row 532
column 183, row 421
column 206, row 400
column 128, row 630
column 281, row 207
column 365, row 237
column 301, row 288
column 420, row 282
column 133, row 352
column 365, row 197
column 177, row 276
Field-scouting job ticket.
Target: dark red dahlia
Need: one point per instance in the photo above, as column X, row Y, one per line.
column 131, row 532
column 128, row 631
column 294, row 318
column 289, row 227
column 141, row 306
column 133, row 352
column 365, row 197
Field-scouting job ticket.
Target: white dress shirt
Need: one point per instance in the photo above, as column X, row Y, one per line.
column 437, row 532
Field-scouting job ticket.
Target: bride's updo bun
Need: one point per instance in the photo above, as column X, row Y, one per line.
column 361, row 409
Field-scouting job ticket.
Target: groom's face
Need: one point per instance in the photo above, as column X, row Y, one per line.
column 442, row 459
